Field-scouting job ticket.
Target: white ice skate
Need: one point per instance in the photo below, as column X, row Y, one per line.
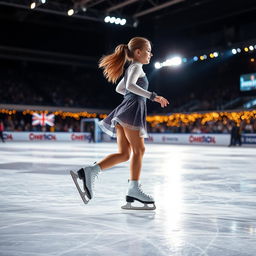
column 87, row 175
column 135, row 193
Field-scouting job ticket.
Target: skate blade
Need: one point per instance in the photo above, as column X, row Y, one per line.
column 129, row 206
column 83, row 195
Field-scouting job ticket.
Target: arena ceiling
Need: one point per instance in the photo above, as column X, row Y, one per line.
column 171, row 24
column 171, row 12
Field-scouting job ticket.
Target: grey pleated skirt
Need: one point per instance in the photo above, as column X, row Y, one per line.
column 131, row 113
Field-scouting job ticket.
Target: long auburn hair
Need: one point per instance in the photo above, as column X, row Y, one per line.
column 113, row 64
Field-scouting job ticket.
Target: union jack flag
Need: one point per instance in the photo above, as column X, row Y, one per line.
column 43, row 119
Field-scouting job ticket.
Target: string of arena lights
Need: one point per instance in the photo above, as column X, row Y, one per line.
column 176, row 61
column 176, row 119
column 59, row 113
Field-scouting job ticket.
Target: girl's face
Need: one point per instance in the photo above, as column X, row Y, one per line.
column 143, row 55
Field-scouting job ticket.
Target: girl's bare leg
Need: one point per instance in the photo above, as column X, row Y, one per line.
column 124, row 151
column 138, row 149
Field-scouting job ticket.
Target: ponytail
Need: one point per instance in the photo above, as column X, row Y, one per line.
column 113, row 64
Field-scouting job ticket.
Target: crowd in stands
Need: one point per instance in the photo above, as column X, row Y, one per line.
column 208, row 127
column 88, row 89
column 213, row 95
column 19, row 124
column 74, row 89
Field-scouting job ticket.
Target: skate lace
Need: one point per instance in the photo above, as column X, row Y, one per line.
column 142, row 193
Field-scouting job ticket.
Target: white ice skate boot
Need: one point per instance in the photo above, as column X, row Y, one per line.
column 135, row 193
column 87, row 175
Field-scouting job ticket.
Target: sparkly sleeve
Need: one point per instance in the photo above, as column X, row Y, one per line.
column 134, row 72
column 121, row 87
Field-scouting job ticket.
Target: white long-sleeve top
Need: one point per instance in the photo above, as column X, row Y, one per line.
column 134, row 72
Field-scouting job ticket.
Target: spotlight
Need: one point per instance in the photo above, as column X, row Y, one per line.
column 43, row 1
column 238, row 50
column 176, row 61
column 251, row 48
column 246, row 49
column 234, row 51
column 118, row 21
column 83, row 8
column 184, row 60
column 252, row 59
column 112, row 19
column 216, row 54
column 201, row 57
column 33, row 5
column 165, row 63
column 195, row 58
column 70, row 12
column 211, row 55
column 255, row 46
column 107, row 19
column 158, row 65
column 135, row 23
column 115, row 20
column 123, row 21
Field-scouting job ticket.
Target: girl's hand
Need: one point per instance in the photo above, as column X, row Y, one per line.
column 163, row 101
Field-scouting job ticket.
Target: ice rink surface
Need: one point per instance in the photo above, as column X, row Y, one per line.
column 205, row 198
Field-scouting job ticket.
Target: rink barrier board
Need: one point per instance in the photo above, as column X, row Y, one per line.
column 165, row 138
column 194, row 139
column 47, row 136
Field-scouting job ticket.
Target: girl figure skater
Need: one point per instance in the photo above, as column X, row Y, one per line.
column 127, row 122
